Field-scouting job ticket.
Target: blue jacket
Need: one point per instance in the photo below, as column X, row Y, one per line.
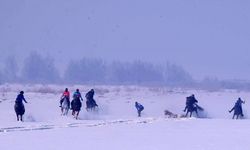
column 20, row 98
column 139, row 106
column 77, row 95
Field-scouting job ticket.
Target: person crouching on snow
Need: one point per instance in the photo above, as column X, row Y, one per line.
column 139, row 108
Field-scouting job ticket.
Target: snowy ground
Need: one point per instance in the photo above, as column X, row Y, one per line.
column 116, row 126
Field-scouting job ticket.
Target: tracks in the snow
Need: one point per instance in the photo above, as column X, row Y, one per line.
column 79, row 124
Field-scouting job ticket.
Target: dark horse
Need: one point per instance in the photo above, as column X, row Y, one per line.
column 20, row 110
column 76, row 107
column 91, row 104
column 193, row 108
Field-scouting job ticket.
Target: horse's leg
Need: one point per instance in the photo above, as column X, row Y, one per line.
column 191, row 113
column 21, row 116
column 61, row 111
column 196, row 111
column 186, row 114
column 76, row 115
column 66, row 111
column 17, row 117
column 233, row 116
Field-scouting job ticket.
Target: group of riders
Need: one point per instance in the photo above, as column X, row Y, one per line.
column 77, row 97
column 75, row 105
column 65, row 103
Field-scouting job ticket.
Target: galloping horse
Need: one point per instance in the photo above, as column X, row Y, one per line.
column 20, row 110
column 193, row 108
column 91, row 105
column 76, row 107
column 65, row 106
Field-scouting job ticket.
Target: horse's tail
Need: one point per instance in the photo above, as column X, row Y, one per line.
column 199, row 108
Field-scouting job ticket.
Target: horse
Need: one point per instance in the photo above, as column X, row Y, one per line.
column 76, row 107
column 237, row 112
column 91, row 105
column 20, row 110
column 193, row 108
column 65, row 106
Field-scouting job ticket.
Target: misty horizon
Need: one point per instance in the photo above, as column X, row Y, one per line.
column 207, row 39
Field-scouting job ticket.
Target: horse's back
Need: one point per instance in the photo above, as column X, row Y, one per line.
column 76, row 105
column 19, row 108
column 91, row 104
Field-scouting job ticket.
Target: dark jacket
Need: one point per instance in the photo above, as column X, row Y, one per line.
column 90, row 95
column 20, row 98
column 191, row 100
column 139, row 106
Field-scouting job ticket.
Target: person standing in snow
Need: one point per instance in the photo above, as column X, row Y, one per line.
column 139, row 108
column 238, row 107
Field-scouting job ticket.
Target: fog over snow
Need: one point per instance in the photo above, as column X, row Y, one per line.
column 207, row 38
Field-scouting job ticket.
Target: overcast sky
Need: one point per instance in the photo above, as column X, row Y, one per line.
column 206, row 37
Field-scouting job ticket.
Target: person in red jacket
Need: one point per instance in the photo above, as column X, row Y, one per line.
column 66, row 95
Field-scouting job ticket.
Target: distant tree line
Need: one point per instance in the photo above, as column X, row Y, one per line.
column 40, row 69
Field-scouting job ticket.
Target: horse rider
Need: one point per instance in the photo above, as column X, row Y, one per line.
column 238, row 104
column 20, row 98
column 90, row 98
column 139, row 108
column 77, row 95
column 66, row 95
column 190, row 102
column 90, row 95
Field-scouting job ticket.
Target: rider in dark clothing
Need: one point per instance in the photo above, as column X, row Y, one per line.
column 238, row 104
column 190, row 102
column 20, row 98
column 90, row 99
column 90, row 94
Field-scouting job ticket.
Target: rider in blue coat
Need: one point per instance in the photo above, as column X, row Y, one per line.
column 77, row 95
column 20, row 98
column 139, row 108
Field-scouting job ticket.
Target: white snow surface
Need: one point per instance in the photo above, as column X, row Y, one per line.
column 116, row 126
